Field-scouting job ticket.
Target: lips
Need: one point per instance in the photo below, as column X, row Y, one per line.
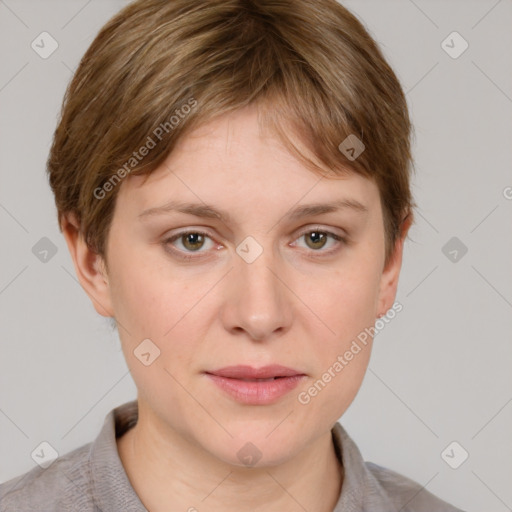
column 250, row 374
column 256, row 386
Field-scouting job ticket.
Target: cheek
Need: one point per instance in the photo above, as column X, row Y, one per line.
column 347, row 307
column 148, row 309
column 139, row 298
column 346, row 302
column 148, row 297
column 150, row 302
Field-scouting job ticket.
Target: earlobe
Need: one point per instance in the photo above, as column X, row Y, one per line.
column 89, row 266
column 391, row 272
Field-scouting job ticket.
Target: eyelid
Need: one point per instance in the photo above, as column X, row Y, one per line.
column 322, row 229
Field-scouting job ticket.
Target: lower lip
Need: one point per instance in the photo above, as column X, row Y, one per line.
column 256, row 393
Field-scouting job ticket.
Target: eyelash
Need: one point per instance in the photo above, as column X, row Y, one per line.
column 338, row 238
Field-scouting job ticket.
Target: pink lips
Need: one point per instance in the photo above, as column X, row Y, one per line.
column 256, row 386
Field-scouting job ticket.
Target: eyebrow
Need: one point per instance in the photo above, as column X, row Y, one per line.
column 210, row 212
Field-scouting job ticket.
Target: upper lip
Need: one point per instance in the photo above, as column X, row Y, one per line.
column 248, row 372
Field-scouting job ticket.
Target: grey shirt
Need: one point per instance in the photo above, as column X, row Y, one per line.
column 91, row 478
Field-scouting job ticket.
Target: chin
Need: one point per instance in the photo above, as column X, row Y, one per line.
column 256, row 451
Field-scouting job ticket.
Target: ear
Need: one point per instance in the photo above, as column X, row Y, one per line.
column 89, row 266
column 391, row 272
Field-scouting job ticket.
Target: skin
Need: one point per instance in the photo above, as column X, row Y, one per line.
column 294, row 305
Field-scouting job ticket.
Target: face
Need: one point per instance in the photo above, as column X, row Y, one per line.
column 269, row 283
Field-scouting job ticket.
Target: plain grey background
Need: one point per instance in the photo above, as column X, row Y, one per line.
column 440, row 371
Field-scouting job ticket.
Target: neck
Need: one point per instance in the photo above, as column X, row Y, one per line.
column 182, row 477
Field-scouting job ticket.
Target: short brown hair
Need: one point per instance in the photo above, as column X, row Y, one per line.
column 310, row 62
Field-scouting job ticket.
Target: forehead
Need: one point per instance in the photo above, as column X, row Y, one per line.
column 232, row 161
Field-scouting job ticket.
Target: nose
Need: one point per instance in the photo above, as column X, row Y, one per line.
column 257, row 300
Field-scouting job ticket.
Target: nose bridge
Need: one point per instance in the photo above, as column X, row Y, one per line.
column 258, row 300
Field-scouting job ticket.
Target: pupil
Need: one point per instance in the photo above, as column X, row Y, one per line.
column 317, row 237
column 193, row 239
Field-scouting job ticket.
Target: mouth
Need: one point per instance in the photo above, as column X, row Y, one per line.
column 256, row 386
column 260, row 380
column 249, row 374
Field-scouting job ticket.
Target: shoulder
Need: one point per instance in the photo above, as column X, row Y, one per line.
column 370, row 487
column 405, row 494
column 64, row 485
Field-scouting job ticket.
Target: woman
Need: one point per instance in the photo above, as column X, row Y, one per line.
column 232, row 181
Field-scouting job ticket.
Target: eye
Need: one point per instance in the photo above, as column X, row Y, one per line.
column 317, row 238
column 191, row 241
